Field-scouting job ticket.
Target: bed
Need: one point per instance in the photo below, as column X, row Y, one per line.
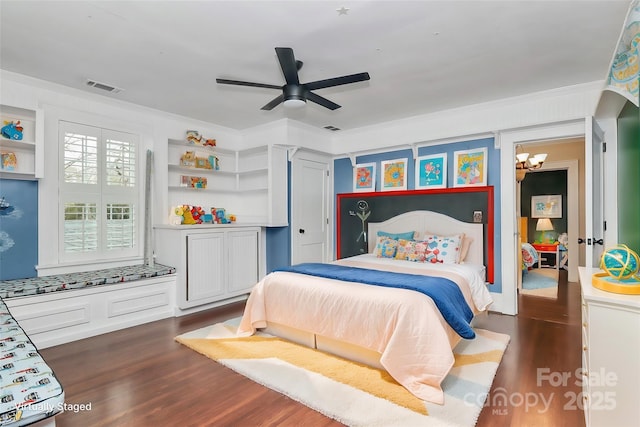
column 398, row 330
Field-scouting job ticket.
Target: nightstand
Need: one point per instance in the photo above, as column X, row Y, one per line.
column 547, row 248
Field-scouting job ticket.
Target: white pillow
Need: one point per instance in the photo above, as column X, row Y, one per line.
column 464, row 249
column 443, row 249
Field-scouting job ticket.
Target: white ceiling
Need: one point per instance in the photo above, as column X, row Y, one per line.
column 422, row 56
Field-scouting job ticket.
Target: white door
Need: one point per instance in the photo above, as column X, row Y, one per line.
column 594, row 192
column 309, row 210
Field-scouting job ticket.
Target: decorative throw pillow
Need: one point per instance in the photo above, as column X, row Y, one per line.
column 464, row 248
column 443, row 249
column 411, row 250
column 386, row 247
column 409, row 235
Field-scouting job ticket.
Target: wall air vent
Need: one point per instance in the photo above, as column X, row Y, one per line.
column 104, row 86
column 331, row 128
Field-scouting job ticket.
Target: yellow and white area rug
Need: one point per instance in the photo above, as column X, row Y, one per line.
column 349, row 392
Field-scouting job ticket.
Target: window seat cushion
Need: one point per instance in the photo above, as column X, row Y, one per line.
column 30, row 390
column 62, row 282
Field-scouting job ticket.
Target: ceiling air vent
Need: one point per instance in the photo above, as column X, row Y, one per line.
column 104, row 86
column 331, row 128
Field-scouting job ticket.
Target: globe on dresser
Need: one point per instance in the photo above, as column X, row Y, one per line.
column 620, row 262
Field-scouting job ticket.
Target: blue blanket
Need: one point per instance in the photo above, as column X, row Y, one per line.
column 445, row 293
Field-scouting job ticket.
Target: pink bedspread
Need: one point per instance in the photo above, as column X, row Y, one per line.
column 404, row 326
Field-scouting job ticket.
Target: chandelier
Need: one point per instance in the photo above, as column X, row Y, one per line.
column 525, row 163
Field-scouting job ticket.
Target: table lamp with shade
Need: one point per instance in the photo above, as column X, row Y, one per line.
column 543, row 225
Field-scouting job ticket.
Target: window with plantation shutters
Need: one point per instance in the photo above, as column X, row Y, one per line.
column 98, row 192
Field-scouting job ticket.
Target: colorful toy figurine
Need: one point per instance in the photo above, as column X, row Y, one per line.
column 188, row 159
column 8, row 161
column 175, row 217
column 12, row 130
column 214, row 162
column 194, row 137
column 203, row 163
column 196, row 213
column 187, row 217
column 198, row 182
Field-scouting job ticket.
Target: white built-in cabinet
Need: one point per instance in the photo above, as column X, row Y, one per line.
column 250, row 183
column 213, row 263
column 610, row 356
column 29, row 150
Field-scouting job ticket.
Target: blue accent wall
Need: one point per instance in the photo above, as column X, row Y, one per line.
column 19, row 229
column 343, row 180
column 279, row 238
column 278, row 247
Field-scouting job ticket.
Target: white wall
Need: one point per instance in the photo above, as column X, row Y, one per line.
column 290, row 133
column 155, row 128
column 563, row 104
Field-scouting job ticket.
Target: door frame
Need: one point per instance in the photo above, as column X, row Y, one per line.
column 507, row 301
column 594, row 222
column 573, row 209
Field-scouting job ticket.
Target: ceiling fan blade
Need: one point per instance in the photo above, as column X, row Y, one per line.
column 240, row 83
column 288, row 64
column 337, row 81
column 321, row 101
column 276, row 101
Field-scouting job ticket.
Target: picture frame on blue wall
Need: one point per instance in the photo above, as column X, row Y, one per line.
column 364, row 177
column 470, row 167
column 431, row 171
column 394, row 174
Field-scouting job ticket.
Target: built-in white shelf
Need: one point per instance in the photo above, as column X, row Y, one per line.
column 250, row 183
column 28, row 150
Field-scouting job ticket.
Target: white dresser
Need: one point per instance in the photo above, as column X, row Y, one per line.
column 610, row 357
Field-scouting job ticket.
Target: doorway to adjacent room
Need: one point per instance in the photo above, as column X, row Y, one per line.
column 544, row 284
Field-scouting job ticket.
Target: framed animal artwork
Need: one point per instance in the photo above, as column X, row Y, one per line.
column 394, row 175
column 431, row 171
column 470, row 167
column 364, row 177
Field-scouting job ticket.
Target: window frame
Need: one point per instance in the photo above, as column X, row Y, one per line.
column 101, row 194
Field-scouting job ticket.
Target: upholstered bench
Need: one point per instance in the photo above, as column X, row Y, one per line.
column 62, row 282
column 61, row 308
column 29, row 390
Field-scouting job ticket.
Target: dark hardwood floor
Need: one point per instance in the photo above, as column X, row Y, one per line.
column 142, row 377
column 539, row 375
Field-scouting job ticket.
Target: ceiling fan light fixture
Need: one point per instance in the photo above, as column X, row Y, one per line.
column 294, row 94
column 294, row 103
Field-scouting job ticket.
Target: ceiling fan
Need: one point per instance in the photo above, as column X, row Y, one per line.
column 294, row 93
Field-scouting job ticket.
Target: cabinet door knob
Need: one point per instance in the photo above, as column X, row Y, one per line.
column 301, row 231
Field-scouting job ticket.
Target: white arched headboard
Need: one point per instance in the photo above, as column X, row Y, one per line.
column 432, row 222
